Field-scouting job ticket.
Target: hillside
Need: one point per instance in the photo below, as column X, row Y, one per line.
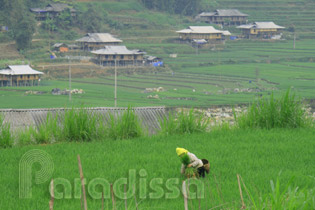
column 235, row 72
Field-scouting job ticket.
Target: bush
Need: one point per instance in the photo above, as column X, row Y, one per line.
column 275, row 113
column 125, row 126
column 185, row 123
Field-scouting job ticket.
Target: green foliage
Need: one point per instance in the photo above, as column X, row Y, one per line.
column 79, row 125
column 184, row 123
column 291, row 197
column 125, row 126
column 92, row 19
column 47, row 132
column 191, row 172
column 6, row 138
column 182, row 7
column 185, row 159
column 286, row 112
column 25, row 137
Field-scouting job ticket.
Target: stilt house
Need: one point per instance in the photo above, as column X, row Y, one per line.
column 94, row 41
column 265, row 30
column 224, row 17
column 119, row 55
column 207, row 33
column 52, row 10
column 19, row 75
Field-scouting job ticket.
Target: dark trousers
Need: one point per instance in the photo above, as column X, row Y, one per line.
column 201, row 172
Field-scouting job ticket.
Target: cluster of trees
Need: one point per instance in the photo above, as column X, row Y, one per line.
column 182, row 7
column 20, row 22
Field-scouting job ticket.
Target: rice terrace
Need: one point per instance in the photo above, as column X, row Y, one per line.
column 157, row 104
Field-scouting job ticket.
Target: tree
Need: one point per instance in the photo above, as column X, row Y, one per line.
column 91, row 20
column 23, row 32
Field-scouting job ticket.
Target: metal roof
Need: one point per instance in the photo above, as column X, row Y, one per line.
column 53, row 7
column 224, row 13
column 23, row 118
column 116, row 50
column 59, row 44
column 98, row 37
column 19, row 70
column 202, row 30
column 261, row 25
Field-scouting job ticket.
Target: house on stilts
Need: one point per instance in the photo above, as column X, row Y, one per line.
column 19, row 75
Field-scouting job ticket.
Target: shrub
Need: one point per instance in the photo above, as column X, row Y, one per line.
column 185, row 123
column 125, row 126
column 275, row 113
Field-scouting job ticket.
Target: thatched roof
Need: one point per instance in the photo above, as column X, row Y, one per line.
column 261, row 25
column 19, row 70
column 98, row 37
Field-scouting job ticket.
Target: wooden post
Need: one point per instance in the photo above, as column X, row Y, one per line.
column 113, row 196
column 52, row 194
column 125, row 190
column 241, row 193
column 103, row 200
column 134, row 192
column 82, row 183
column 185, row 195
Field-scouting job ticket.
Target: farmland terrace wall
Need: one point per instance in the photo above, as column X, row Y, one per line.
column 22, row 118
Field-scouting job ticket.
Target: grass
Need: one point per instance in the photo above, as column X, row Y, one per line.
column 257, row 155
column 125, row 126
column 6, row 138
column 80, row 125
column 184, row 123
column 286, row 112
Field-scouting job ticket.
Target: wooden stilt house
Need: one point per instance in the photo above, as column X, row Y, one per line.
column 19, row 75
column 119, row 55
column 263, row 30
column 94, row 41
column 207, row 33
column 224, row 17
column 52, row 10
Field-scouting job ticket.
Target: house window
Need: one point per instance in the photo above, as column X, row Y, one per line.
column 135, row 57
column 28, row 76
column 106, row 56
column 114, row 56
column 21, row 76
column 122, row 57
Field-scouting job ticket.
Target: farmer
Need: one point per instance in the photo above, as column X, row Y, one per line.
column 202, row 166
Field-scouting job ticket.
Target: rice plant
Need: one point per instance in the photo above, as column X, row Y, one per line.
column 290, row 198
column 125, row 126
column 286, row 112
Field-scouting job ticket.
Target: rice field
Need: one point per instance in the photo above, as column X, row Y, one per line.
column 257, row 155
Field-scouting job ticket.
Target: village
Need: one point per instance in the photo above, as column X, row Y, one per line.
column 105, row 49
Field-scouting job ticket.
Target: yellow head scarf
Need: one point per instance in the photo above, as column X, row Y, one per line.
column 181, row 151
